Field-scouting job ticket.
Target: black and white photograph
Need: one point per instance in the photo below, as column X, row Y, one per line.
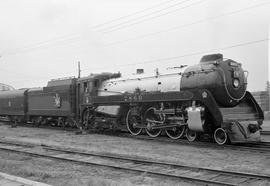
column 134, row 92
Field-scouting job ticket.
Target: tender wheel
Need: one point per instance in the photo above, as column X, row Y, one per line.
column 176, row 132
column 52, row 122
column 61, row 122
column 131, row 122
column 71, row 123
column 37, row 121
column 221, row 136
column 191, row 135
column 150, row 115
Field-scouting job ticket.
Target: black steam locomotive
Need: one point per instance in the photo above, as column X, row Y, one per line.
column 207, row 98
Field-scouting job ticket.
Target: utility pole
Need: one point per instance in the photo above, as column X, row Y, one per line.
column 268, row 90
column 79, row 69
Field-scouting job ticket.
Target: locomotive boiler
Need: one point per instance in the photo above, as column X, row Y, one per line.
column 205, row 99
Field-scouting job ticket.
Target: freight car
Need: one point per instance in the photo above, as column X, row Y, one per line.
column 206, row 98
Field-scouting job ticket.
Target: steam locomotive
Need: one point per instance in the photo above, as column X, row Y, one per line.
column 208, row 98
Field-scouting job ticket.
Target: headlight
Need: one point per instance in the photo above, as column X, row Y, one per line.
column 236, row 83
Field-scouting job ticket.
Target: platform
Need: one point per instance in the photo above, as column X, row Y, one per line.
column 9, row 180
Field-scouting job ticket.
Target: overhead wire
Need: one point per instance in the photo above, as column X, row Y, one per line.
column 214, row 17
column 48, row 44
column 188, row 24
column 75, row 36
column 43, row 45
column 167, row 58
column 149, row 14
column 39, row 46
column 188, row 54
column 113, row 30
column 132, row 14
column 149, row 18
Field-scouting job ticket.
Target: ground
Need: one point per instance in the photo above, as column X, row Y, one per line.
column 62, row 173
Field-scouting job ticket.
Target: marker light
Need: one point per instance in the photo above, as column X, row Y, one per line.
column 236, row 83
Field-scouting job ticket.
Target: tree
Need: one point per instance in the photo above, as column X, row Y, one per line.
column 267, row 88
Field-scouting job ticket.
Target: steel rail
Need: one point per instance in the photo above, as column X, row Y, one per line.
column 258, row 147
column 138, row 165
column 264, row 132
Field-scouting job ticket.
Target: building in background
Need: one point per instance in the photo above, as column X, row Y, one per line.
column 262, row 98
column 4, row 87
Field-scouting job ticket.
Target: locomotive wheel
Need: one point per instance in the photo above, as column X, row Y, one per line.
column 221, row 136
column 131, row 122
column 149, row 114
column 191, row 135
column 175, row 132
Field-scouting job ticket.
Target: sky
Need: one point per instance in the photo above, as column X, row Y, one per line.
column 44, row 39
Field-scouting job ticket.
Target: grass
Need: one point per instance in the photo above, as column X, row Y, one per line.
column 19, row 169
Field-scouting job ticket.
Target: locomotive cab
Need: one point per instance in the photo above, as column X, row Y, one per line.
column 86, row 87
column 90, row 86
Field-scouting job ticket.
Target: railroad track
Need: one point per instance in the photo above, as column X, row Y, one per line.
column 137, row 165
column 261, row 147
column 265, row 132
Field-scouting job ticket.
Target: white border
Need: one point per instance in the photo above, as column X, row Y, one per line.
column 22, row 180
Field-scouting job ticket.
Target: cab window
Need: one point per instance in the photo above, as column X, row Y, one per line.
column 90, row 86
column 85, row 87
column 96, row 83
